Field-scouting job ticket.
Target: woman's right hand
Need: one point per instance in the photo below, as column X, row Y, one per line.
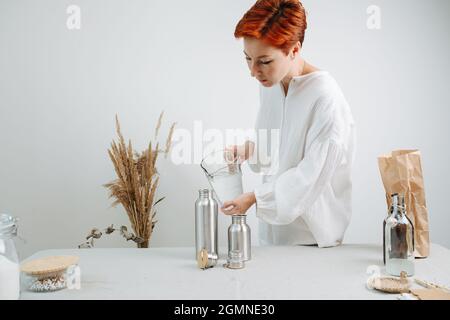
column 243, row 151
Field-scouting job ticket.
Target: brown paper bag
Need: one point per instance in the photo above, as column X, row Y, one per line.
column 431, row 294
column 401, row 172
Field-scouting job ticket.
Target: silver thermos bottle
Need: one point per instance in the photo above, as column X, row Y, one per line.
column 239, row 237
column 206, row 225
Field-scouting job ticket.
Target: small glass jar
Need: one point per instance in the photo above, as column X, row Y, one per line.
column 9, row 260
column 45, row 282
column 50, row 273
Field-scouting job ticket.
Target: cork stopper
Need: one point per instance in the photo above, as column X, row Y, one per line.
column 49, row 264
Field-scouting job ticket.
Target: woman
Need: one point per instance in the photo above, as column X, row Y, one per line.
column 307, row 199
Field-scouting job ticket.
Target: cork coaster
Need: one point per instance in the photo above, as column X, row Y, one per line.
column 49, row 264
column 202, row 259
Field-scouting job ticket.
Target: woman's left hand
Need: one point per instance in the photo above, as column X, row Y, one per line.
column 240, row 205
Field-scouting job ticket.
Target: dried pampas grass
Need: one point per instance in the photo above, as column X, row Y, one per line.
column 137, row 181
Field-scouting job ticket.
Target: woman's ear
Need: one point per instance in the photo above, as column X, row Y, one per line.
column 295, row 50
column 299, row 46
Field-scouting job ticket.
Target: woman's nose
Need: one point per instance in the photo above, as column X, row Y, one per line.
column 254, row 70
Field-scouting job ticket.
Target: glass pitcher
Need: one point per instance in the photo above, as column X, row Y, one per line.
column 223, row 171
column 9, row 260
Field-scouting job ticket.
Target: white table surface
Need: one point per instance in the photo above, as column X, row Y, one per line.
column 278, row 272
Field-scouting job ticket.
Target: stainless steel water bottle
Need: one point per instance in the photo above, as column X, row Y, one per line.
column 206, row 225
column 239, row 236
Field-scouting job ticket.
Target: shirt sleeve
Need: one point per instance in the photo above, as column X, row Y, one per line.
column 283, row 200
column 253, row 160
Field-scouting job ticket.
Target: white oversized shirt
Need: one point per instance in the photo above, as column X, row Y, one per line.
column 306, row 194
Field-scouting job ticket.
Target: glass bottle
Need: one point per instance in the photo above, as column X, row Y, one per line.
column 391, row 210
column 9, row 260
column 399, row 239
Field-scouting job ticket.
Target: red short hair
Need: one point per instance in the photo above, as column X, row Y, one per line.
column 279, row 23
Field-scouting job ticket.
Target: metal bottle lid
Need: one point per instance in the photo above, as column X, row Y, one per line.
column 206, row 260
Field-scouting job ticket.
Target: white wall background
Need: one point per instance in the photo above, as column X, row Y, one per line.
column 60, row 91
